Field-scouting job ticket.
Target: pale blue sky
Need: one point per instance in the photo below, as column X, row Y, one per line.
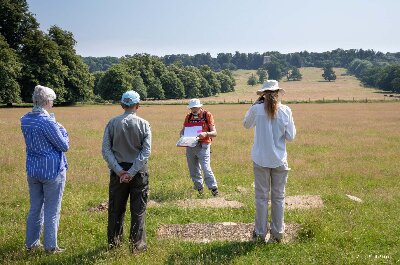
column 160, row 27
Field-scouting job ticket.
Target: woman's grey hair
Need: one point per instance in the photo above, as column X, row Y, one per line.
column 42, row 95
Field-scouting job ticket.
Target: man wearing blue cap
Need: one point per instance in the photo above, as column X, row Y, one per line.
column 126, row 148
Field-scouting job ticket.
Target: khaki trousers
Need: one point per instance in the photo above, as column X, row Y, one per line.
column 268, row 180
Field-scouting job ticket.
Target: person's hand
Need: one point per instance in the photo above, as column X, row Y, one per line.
column 259, row 100
column 123, row 176
column 202, row 135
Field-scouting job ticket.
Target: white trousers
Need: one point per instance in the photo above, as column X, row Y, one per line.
column 270, row 180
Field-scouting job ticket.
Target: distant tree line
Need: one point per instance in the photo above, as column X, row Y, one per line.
column 374, row 69
column 254, row 61
column 384, row 76
column 152, row 79
column 100, row 63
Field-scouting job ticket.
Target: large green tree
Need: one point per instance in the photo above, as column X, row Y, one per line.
column 262, row 75
column 16, row 22
column 115, row 82
column 42, row 64
column 139, row 87
column 275, row 70
column 212, row 80
column 173, row 87
column 190, row 80
column 328, row 74
column 150, row 69
column 97, row 77
column 226, row 80
column 294, row 74
column 10, row 70
column 77, row 80
column 252, row 81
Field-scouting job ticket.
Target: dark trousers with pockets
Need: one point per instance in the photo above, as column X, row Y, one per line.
column 137, row 190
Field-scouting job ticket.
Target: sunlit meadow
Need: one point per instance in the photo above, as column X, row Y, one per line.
column 346, row 148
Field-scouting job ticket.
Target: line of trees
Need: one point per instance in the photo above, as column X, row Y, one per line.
column 152, row 79
column 254, row 61
column 383, row 76
column 382, row 70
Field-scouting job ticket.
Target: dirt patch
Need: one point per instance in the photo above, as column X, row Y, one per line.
column 100, row 208
column 204, row 233
column 241, row 189
column 303, row 202
column 218, row 202
column 153, row 204
column 292, row 202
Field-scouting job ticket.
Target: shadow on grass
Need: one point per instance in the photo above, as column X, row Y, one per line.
column 88, row 257
column 11, row 253
column 172, row 195
column 224, row 254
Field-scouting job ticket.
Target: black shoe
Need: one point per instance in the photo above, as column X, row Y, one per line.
column 257, row 238
column 138, row 248
column 201, row 191
column 55, row 250
column 215, row 192
column 273, row 240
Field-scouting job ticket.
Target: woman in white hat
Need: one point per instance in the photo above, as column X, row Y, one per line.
column 199, row 157
column 274, row 126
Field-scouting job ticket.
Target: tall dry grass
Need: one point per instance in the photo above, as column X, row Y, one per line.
column 340, row 149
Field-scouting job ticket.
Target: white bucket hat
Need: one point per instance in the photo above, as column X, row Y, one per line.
column 270, row 85
column 194, row 103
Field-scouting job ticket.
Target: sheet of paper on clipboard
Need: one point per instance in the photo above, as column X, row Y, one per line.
column 189, row 138
column 192, row 131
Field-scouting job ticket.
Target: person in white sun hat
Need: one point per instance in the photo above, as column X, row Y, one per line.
column 274, row 125
column 199, row 157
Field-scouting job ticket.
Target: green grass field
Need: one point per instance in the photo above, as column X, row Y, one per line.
column 340, row 149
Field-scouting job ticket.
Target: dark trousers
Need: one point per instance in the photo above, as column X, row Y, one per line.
column 137, row 189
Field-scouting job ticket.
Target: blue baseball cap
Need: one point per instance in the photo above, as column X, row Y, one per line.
column 130, row 98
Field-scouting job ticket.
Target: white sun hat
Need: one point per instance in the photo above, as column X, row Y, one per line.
column 270, row 85
column 194, row 103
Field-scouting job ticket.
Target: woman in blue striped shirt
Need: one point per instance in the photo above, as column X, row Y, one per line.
column 46, row 164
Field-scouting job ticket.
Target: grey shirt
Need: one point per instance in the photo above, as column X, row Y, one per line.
column 127, row 138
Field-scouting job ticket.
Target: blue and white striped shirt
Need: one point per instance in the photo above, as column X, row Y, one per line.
column 46, row 143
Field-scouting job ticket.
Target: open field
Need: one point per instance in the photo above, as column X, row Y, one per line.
column 340, row 149
column 311, row 88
